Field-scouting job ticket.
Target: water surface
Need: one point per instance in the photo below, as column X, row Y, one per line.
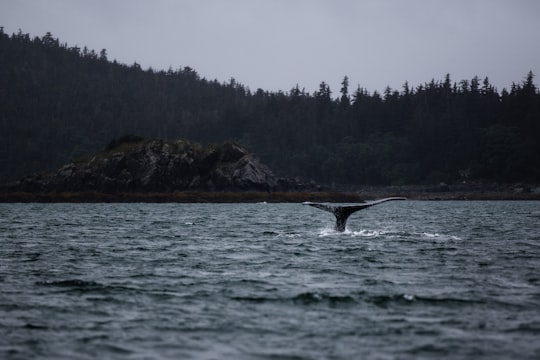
column 407, row 279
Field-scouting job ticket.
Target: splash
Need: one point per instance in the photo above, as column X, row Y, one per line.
column 369, row 233
column 330, row 231
column 374, row 233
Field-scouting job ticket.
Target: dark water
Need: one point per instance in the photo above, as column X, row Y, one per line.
column 407, row 280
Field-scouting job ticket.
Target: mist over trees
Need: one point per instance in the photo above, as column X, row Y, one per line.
column 58, row 103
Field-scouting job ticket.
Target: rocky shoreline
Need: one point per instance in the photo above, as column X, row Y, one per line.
column 136, row 165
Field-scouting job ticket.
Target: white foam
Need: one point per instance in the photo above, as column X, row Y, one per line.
column 440, row 236
column 408, row 297
column 289, row 236
column 328, row 231
column 368, row 233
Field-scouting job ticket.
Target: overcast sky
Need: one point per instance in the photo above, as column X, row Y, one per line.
column 276, row 44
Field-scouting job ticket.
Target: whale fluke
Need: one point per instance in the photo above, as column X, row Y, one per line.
column 342, row 213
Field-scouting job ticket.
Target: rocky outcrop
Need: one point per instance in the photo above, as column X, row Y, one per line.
column 138, row 165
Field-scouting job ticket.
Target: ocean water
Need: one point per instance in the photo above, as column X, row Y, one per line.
column 407, row 280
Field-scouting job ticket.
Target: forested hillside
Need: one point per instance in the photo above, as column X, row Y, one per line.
column 58, row 103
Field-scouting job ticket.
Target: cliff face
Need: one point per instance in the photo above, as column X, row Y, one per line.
column 137, row 165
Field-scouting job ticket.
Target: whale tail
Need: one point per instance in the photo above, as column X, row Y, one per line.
column 342, row 213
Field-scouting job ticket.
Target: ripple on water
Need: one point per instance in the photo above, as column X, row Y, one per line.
column 439, row 280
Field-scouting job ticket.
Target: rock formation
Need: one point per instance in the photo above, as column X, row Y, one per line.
column 133, row 164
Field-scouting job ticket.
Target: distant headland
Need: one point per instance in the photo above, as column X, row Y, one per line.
column 133, row 164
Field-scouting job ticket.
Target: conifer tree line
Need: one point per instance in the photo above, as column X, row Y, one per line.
column 59, row 103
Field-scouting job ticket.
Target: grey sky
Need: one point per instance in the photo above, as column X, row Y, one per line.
column 275, row 44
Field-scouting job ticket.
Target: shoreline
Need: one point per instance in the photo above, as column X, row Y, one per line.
column 254, row 197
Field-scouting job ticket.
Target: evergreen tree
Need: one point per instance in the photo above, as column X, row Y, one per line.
column 345, row 101
column 58, row 103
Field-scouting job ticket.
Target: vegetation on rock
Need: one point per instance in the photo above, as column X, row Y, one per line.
column 132, row 164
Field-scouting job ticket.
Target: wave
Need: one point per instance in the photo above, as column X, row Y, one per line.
column 383, row 301
column 400, row 299
column 289, row 235
column 35, row 326
column 307, row 298
column 277, row 234
column 83, row 286
column 72, row 283
column 530, row 327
